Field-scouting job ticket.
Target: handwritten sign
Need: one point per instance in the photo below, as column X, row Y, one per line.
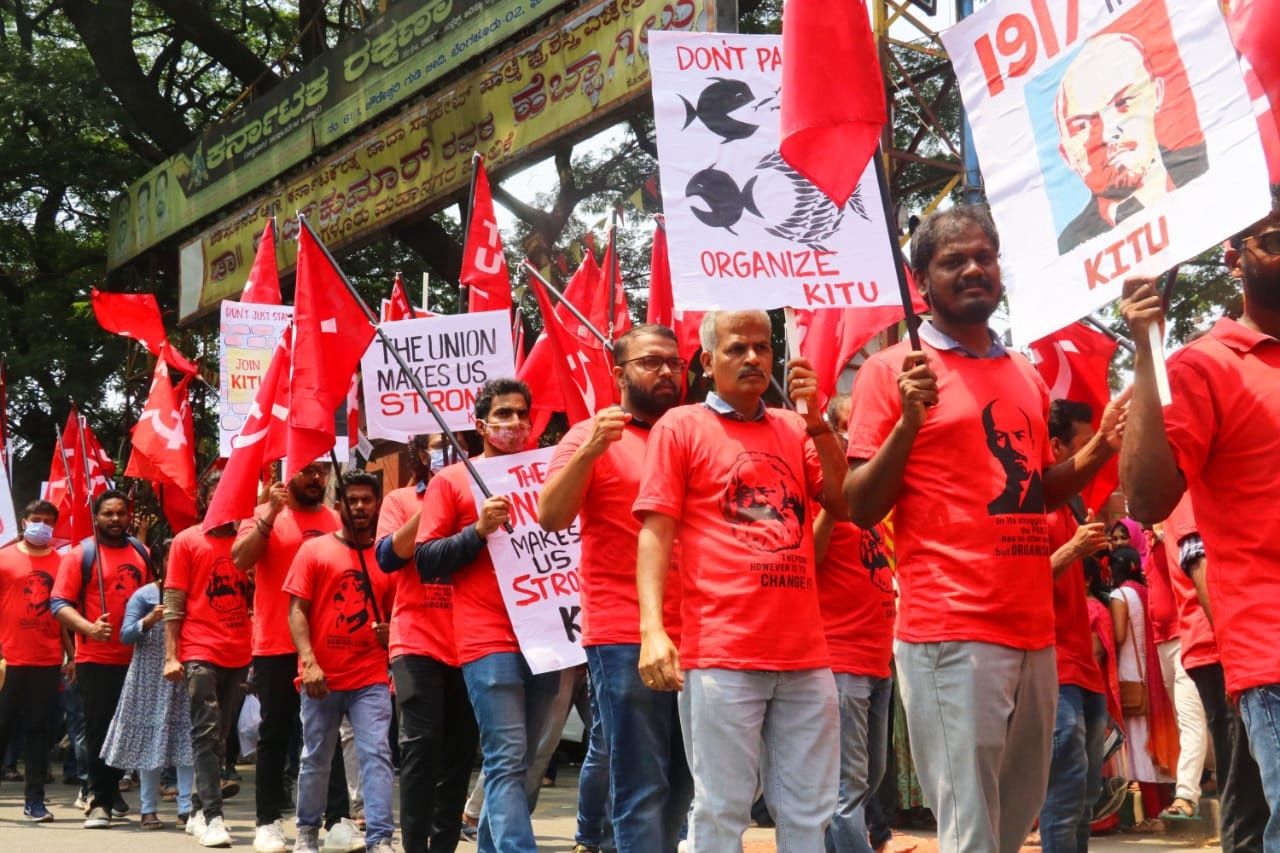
column 537, row 571
column 744, row 229
column 1129, row 121
column 452, row 356
column 247, row 339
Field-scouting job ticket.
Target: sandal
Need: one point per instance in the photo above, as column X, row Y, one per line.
column 151, row 821
column 1150, row 825
column 1181, row 809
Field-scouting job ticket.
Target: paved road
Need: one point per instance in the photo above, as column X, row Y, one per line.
column 554, row 822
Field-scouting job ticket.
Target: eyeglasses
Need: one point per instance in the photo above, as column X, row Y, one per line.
column 653, row 363
column 1269, row 242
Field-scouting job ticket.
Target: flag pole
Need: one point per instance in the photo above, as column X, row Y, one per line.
column 387, row 344
column 904, row 289
column 1101, row 325
column 551, row 288
column 88, row 487
column 611, row 274
column 364, row 566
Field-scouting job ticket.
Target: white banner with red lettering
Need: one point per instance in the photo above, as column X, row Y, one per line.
column 744, row 229
column 8, row 518
column 537, row 571
column 247, row 339
column 1115, row 138
column 452, row 355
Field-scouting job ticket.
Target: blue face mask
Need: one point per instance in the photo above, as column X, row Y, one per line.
column 37, row 533
column 438, row 460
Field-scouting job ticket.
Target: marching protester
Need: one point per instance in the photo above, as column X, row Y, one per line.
column 732, row 480
column 1213, row 441
column 32, row 647
column 337, row 599
column 207, row 645
column 265, row 547
column 975, row 633
column 594, row 477
column 438, row 733
column 95, row 580
column 512, row 705
column 151, row 728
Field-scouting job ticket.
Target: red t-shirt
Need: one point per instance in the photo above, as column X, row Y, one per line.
column 422, row 621
column 1161, row 606
column 972, row 542
column 327, row 573
column 1221, row 425
column 610, row 602
column 215, row 628
column 855, row 591
column 270, row 603
column 123, row 572
column 1199, row 645
column 1074, row 638
column 29, row 633
column 480, row 622
column 740, row 492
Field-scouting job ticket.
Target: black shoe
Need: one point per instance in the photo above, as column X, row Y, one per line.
column 119, row 808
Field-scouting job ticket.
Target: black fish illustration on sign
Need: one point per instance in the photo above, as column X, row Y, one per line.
column 722, row 195
column 812, row 219
column 715, row 104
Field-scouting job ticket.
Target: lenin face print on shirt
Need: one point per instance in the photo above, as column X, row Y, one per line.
column 764, row 503
column 1012, row 442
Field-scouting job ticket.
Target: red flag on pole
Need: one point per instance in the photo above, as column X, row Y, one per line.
column 353, row 413
column 262, row 440
column 1255, row 29
column 137, row 316
column 582, row 373
column 662, row 308
column 399, row 307
column 263, row 287
column 331, row 333
column 68, row 489
column 831, row 121
column 1074, row 362
column 162, row 450
column 621, row 310
column 484, row 265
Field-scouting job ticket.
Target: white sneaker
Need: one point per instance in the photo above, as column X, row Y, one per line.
column 308, row 840
column 383, row 846
column 344, row 837
column 215, row 834
column 270, row 838
column 195, row 824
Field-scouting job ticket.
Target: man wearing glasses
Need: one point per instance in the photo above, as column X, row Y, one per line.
column 594, row 478
column 1219, row 439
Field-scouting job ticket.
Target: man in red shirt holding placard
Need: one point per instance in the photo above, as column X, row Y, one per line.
column 733, row 481
column 955, row 440
column 1217, row 439
column 594, row 478
column 338, row 599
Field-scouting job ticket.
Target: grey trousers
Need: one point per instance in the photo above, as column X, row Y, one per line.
column 981, row 722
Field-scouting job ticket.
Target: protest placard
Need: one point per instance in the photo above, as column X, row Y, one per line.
column 537, row 571
column 247, row 339
column 744, row 229
column 1116, row 139
column 452, row 355
column 8, row 518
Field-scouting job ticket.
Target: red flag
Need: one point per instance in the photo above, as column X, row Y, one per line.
column 1074, row 362
column 1255, row 29
column 263, row 287
column 68, row 488
column 162, row 450
column 518, row 343
column 583, row 374
column 662, row 308
column 179, row 508
column 621, row 310
column 484, row 265
column 353, row 413
column 399, row 307
column 262, row 440
column 831, row 122
column 331, row 332
column 137, row 316
column 539, row 369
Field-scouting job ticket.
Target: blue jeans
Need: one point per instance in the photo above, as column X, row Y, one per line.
column 149, row 788
column 511, row 705
column 593, row 780
column 1075, row 770
column 652, row 788
column 369, row 709
column 1260, row 710
column 864, row 744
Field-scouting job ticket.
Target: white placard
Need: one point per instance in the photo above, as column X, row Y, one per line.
column 744, row 230
column 537, row 571
column 247, row 339
column 8, row 518
column 1116, row 139
column 452, row 355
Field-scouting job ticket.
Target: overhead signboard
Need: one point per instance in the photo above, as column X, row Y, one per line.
column 586, row 68
column 412, row 45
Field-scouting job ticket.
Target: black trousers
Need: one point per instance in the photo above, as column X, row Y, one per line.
column 100, row 685
column 273, row 681
column 438, row 739
column 30, row 693
column 214, row 691
column 1242, row 805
